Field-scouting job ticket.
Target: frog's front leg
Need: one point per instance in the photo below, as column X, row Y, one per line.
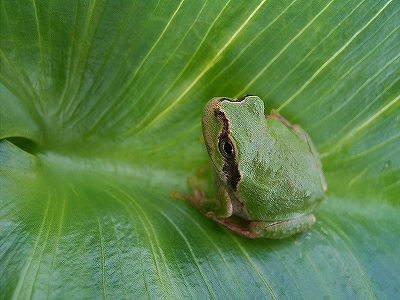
column 221, row 205
column 265, row 229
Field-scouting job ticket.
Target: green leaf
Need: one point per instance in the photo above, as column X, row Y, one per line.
column 100, row 119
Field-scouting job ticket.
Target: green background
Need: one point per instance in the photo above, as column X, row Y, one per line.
column 100, row 120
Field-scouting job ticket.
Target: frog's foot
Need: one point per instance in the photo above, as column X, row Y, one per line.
column 221, row 205
column 200, row 172
column 198, row 192
column 265, row 229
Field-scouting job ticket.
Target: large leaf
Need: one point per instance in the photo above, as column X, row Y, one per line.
column 100, row 120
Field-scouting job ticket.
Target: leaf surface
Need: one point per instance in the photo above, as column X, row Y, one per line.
column 100, row 119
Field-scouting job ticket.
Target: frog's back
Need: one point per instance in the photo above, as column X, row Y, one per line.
column 282, row 176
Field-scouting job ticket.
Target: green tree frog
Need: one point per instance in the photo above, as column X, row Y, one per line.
column 265, row 172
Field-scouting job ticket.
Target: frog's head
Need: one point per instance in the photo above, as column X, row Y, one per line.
column 232, row 130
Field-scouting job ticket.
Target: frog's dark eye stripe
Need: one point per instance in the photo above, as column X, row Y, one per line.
column 227, row 150
column 226, row 147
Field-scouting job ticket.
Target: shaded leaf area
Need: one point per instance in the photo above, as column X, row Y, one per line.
column 100, row 120
column 72, row 233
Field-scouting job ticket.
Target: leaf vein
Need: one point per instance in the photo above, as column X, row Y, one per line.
column 332, row 58
column 18, row 289
column 312, row 51
column 243, row 91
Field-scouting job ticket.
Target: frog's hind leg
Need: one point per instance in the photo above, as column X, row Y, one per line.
column 282, row 229
column 265, row 229
column 240, row 227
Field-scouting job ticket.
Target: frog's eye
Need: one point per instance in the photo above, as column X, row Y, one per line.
column 226, row 147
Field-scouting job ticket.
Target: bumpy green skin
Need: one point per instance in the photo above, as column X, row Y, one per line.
column 271, row 181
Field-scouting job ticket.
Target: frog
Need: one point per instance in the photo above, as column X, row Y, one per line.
column 266, row 172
